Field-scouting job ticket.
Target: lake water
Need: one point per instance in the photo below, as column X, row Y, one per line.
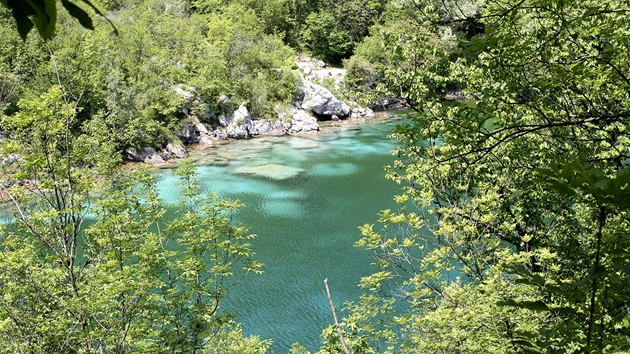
column 305, row 197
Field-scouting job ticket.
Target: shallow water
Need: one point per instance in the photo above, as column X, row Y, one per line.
column 305, row 197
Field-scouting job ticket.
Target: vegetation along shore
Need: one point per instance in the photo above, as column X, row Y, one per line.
column 512, row 222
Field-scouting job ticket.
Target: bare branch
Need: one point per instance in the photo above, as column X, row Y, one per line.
column 332, row 307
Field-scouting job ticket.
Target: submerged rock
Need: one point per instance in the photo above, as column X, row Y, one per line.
column 360, row 112
column 303, row 144
column 206, row 140
column 271, row 171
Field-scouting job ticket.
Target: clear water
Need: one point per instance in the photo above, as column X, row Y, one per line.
column 305, row 197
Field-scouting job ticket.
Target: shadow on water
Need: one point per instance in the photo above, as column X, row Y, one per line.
column 305, row 197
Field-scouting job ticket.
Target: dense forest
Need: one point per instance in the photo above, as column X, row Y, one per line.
column 511, row 233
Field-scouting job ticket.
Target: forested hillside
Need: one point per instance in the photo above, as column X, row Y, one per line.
column 512, row 228
column 125, row 82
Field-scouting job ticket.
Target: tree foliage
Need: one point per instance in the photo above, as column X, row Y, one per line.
column 512, row 229
column 127, row 81
column 94, row 266
column 334, row 30
column 42, row 14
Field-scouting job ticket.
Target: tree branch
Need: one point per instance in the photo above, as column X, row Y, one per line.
column 332, row 307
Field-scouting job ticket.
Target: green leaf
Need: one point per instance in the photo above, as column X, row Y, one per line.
column 87, row 2
column 24, row 24
column 46, row 17
column 561, row 187
column 591, row 10
column 565, row 310
column 79, row 14
column 522, row 343
column 625, row 268
column 530, row 305
column 98, row 12
column 596, row 273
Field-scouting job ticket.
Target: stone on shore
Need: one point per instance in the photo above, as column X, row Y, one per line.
column 319, row 100
column 302, row 122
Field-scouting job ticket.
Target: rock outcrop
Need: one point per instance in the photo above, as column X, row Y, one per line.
column 193, row 101
column 360, row 112
column 318, row 100
column 302, row 122
column 202, row 126
column 386, row 103
column 240, row 124
column 265, row 126
column 146, row 154
column 9, row 159
column 151, row 155
column 176, row 149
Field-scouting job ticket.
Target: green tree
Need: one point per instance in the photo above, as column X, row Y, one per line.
column 512, row 229
column 332, row 32
column 127, row 82
column 90, row 263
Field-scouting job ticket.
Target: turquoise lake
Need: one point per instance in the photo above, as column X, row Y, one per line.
column 305, row 198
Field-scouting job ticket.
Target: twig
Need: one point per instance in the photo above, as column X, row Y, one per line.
column 332, row 307
column 591, row 317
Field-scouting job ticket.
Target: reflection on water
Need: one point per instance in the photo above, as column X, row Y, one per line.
column 305, row 196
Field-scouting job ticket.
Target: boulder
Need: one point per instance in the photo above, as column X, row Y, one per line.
column 188, row 92
column 11, row 158
column 187, row 131
column 206, row 140
column 360, row 112
column 201, row 128
column 302, row 122
column 176, row 149
column 187, row 135
column 147, row 154
column 319, row 100
column 240, row 125
column 385, row 103
column 237, row 132
column 156, row 158
column 265, row 126
column 220, row 134
column 150, row 155
column 319, row 62
column 224, row 120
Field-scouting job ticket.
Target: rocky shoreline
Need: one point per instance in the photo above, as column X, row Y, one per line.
column 198, row 151
column 313, row 105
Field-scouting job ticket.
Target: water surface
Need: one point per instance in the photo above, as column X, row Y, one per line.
column 305, row 197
